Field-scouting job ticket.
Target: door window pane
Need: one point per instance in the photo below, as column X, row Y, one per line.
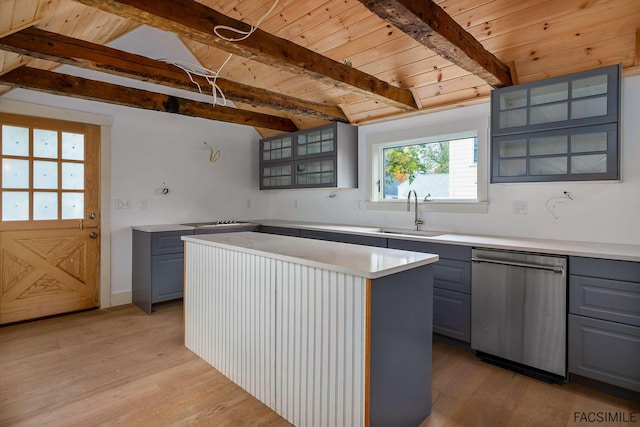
column 72, row 176
column 72, row 146
column 15, row 141
column 72, row 205
column 45, row 175
column 15, row 173
column 45, row 143
column 15, row 206
column 45, row 206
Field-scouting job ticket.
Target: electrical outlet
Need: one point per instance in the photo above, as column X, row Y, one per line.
column 295, row 204
column 122, row 203
column 143, row 203
column 248, row 203
column 520, row 207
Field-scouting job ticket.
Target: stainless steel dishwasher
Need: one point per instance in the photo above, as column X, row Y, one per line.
column 518, row 311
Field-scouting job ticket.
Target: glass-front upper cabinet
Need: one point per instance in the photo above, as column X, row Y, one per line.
column 587, row 98
column 326, row 156
column 560, row 129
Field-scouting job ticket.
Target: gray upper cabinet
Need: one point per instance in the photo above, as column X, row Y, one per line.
column 560, row 129
column 326, row 156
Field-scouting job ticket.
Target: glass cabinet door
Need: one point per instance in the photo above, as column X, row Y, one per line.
column 585, row 98
column 277, row 149
column 316, row 173
column 316, row 142
column 562, row 155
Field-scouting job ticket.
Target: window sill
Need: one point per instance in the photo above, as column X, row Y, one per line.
column 443, row 207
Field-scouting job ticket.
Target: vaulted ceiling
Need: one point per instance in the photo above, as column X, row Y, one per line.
column 310, row 62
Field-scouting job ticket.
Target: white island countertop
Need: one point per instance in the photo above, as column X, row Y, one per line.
column 365, row 261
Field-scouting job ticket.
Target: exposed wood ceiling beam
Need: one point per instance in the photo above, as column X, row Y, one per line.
column 77, row 87
column 196, row 21
column 66, row 50
column 430, row 25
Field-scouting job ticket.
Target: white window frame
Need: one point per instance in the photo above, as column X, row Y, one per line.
column 470, row 127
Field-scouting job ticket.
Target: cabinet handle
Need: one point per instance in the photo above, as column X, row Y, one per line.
column 93, row 234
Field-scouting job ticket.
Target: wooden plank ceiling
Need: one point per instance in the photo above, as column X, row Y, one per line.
column 316, row 61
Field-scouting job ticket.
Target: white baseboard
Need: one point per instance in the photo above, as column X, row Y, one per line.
column 121, row 298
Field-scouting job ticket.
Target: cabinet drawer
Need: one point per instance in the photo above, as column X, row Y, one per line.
column 462, row 253
column 453, row 275
column 452, row 314
column 605, row 299
column 605, row 351
column 168, row 242
column 605, row 268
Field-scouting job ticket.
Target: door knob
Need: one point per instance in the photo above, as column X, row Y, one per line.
column 92, row 215
column 93, row 234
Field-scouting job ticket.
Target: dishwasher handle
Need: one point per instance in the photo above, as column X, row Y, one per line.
column 554, row 268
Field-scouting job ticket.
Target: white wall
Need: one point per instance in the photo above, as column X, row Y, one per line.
column 149, row 148
column 600, row 212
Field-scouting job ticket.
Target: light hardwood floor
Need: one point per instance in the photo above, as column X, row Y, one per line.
column 122, row 367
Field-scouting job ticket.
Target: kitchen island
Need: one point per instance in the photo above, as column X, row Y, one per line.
column 324, row 333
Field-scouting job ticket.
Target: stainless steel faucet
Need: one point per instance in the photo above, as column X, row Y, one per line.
column 418, row 221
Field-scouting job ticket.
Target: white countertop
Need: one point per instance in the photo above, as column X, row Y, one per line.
column 365, row 261
column 159, row 228
column 622, row 252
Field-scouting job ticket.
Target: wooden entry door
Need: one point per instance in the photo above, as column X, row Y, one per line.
column 49, row 217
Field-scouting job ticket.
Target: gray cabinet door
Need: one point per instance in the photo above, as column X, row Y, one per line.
column 452, row 314
column 167, row 275
column 605, row 351
column 453, row 275
column 168, row 242
column 605, row 299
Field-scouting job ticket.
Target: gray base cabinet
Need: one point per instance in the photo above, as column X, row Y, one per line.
column 451, row 286
column 158, row 264
column 157, row 267
column 604, row 321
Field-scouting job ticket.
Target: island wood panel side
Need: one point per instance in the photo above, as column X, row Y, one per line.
column 230, row 315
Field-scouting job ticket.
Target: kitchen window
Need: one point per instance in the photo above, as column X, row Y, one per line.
column 448, row 170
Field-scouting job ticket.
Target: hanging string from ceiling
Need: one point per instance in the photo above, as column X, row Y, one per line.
column 212, row 76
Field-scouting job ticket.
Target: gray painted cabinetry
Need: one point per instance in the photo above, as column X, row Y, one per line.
column 158, row 264
column 451, row 286
column 326, row 156
column 604, row 321
column 157, row 267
